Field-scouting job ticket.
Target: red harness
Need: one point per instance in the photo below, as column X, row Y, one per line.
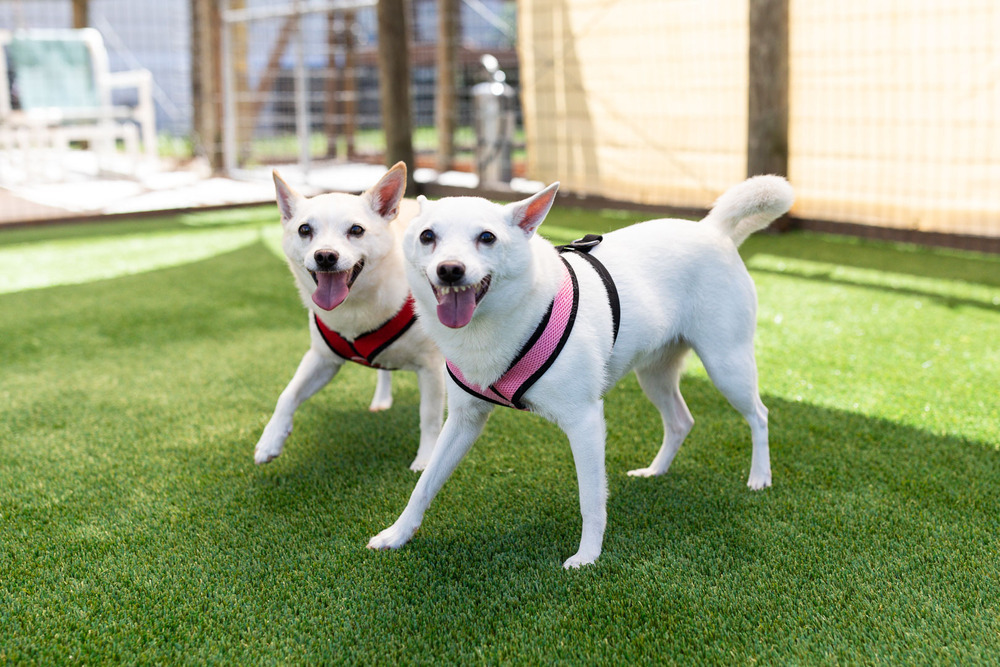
column 363, row 349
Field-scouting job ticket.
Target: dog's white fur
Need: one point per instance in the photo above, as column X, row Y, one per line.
column 682, row 286
column 375, row 296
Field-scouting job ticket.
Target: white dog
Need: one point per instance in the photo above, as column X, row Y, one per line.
column 502, row 305
column 345, row 253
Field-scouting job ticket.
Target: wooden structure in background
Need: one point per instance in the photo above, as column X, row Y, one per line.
column 767, row 94
column 340, row 91
column 394, row 84
column 449, row 31
column 206, row 81
column 642, row 102
column 81, row 13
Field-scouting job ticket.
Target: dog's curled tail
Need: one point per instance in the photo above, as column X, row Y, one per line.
column 750, row 206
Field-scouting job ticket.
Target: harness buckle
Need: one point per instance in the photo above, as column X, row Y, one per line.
column 586, row 244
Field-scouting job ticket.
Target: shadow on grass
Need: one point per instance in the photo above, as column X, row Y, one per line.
column 850, row 474
column 872, row 532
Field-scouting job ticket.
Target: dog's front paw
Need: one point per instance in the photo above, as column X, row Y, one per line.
column 392, row 537
column 382, row 400
column 380, row 404
column 263, row 455
column 419, row 463
column 271, row 443
column 759, row 481
column 579, row 559
column 645, row 472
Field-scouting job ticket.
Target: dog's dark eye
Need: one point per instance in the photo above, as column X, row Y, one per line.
column 356, row 230
column 488, row 238
column 305, row 230
column 427, row 237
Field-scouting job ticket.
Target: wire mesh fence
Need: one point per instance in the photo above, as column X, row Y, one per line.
column 893, row 106
column 303, row 78
column 895, row 113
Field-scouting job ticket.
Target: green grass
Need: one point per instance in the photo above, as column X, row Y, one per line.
column 369, row 141
column 135, row 528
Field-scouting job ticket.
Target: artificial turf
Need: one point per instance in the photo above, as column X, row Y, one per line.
column 135, row 528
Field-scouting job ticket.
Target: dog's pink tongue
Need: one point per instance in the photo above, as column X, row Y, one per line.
column 331, row 289
column 455, row 308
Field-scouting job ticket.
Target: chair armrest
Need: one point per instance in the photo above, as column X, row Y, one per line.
column 142, row 79
column 144, row 113
column 139, row 79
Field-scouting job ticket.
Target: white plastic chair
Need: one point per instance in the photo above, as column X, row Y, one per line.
column 56, row 88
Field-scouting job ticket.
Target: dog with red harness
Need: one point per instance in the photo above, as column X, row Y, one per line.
column 346, row 256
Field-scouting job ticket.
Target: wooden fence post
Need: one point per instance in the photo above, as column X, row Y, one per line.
column 341, row 108
column 206, row 81
column 444, row 100
column 81, row 13
column 350, row 82
column 332, row 124
column 767, row 118
column 394, row 85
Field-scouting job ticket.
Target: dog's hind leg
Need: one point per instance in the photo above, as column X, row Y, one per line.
column 734, row 371
column 432, row 395
column 314, row 372
column 587, row 434
column 382, row 400
column 661, row 383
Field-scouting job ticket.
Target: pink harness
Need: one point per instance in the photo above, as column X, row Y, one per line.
column 549, row 336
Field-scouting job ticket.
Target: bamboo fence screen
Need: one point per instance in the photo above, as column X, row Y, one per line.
column 894, row 105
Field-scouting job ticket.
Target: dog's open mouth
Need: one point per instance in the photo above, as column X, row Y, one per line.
column 332, row 287
column 457, row 303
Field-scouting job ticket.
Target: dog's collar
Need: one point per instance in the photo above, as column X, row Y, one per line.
column 363, row 349
column 549, row 336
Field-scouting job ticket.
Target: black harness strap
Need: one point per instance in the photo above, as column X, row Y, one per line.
column 583, row 247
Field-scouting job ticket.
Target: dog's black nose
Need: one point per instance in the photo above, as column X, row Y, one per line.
column 326, row 260
column 451, row 272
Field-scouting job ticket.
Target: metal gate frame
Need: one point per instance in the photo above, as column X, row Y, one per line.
column 294, row 8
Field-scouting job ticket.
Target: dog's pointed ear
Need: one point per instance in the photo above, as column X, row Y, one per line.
column 423, row 201
column 287, row 198
column 529, row 213
column 384, row 196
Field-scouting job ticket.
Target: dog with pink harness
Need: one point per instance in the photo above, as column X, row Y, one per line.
column 524, row 326
column 549, row 336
